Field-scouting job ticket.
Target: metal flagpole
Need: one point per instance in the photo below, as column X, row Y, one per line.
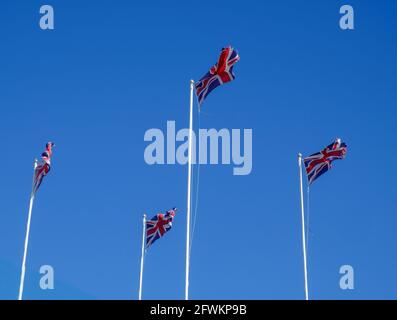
column 303, row 227
column 27, row 237
column 188, row 192
column 142, row 256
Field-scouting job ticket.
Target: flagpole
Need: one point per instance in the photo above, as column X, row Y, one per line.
column 188, row 192
column 142, row 256
column 303, row 227
column 21, row 285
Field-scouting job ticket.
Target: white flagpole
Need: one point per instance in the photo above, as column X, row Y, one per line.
column 303, row 227
column 27, row 237
column 188, row 192
column 142, row 256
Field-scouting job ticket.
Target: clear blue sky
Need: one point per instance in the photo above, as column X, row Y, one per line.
column 113, row 69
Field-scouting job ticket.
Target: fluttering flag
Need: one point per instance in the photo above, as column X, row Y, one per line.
column 158, row 226
column 44, row 167
column 220, row 73
column 320, row 162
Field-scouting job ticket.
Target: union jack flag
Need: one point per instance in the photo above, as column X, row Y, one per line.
column 219, row 74
column 158, row 226
column 320, row 162
column 43, row 168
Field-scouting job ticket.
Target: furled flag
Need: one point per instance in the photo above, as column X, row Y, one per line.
column 320, row 162
column 43, row 168
column 219, row 74
column 158, row 226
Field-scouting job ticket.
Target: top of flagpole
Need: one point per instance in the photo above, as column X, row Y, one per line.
column 299, row 158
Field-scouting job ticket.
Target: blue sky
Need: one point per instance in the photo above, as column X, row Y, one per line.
column 111, row 70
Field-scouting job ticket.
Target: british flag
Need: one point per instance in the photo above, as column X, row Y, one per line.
column 219, row 74
column 320, row 162
column 158, row 226
column 43, row 168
